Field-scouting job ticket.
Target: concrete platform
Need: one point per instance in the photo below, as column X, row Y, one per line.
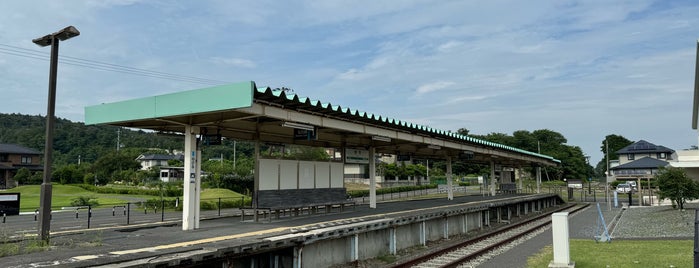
column 139, row 245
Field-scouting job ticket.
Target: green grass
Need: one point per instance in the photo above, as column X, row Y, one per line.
column 622, row 253
column 219, row 192
column 63, row 195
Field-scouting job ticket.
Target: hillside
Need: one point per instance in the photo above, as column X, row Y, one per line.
column 75, row 140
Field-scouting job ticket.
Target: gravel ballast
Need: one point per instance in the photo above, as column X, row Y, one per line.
column 655, row 222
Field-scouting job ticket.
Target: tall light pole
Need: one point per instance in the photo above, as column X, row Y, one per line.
column 45, row 194
column 589, row 179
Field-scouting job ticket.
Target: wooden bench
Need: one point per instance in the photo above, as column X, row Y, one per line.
column 266, row 212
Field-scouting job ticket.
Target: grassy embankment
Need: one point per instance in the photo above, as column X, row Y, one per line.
column 63, row 195
column 622, row 254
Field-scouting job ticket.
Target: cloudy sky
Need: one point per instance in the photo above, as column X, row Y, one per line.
column 585, row 69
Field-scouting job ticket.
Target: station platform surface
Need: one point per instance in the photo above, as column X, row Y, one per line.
column 87, row 248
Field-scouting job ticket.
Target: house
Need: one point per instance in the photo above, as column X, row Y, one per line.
column 157, row 160
column 13, row 157
column 689, row 161
column 641, row 160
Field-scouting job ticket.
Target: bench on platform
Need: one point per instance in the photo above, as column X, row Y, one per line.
column 296, row 201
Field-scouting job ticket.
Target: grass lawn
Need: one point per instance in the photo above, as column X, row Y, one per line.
column 63, row 195
column 622, row 253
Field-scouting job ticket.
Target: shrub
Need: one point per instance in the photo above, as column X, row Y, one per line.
column 82, row 201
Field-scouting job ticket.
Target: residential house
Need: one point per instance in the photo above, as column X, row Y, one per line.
column 160, row 162
column 149, row 161
column 13, row 157
column 641, row 160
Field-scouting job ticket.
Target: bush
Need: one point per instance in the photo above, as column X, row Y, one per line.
column 360, row 193
column 168, row 190
column 82, row 201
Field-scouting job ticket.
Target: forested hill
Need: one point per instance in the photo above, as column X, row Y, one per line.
column 74, row 139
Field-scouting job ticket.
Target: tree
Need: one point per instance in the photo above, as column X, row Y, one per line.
column 615, row 143
column 676, row 185
column 23, row 175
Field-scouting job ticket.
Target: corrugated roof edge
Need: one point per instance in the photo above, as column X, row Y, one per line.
column 338, row 108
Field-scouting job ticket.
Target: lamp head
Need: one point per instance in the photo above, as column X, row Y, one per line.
column 64, row 34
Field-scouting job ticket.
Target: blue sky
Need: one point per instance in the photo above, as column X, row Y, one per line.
column 585, row 69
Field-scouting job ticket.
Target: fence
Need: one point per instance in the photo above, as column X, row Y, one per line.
column 121, row 214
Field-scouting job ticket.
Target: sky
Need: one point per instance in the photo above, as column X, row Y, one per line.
column 585, row 69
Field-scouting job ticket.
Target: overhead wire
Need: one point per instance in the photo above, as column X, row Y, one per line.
column 104, row 66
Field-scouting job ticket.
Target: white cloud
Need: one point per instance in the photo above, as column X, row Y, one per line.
column 236, row 62
column 431, row 87
column 454, row 64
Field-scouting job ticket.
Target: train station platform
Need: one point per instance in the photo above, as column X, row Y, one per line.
column 165, row 244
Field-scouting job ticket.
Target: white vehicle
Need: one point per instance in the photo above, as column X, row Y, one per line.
column 624, row 188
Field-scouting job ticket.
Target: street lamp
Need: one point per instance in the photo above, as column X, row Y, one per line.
column 45, row 194
column 589, row 179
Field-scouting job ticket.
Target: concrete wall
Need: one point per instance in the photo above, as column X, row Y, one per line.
column 376, row 242
column 373, row 244
column 455, row 225
column 326, row 253
column 434, row 229
column 407, row 236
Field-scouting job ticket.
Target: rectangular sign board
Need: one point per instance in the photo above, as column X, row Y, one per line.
column 356, row 156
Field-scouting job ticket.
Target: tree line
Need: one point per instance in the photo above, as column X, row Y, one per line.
column 105, row 154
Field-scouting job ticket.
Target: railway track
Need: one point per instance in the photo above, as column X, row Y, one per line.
column 463, row 254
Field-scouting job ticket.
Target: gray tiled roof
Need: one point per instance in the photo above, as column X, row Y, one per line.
column 146, row 157
column 643, row 163
column 16, row 149
column 642, row 146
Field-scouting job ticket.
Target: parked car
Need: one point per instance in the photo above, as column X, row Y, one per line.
column 624, row 188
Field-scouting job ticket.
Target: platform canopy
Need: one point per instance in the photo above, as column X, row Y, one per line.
column 244, row 112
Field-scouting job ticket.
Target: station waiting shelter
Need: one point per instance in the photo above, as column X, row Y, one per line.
column 242, row 111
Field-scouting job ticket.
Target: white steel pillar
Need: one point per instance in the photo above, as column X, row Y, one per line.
column 372, row 178
column 354, row 247
column 423, row 234
column 191, row 191
column 392, row 246
column 298, row 257
column 492, row 178
column 519, row 178
column 538, row 180
column 197, row 193
column 450, row 188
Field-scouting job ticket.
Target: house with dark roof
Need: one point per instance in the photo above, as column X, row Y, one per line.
column 13, row 157
column 641, row 160
column 157, row 160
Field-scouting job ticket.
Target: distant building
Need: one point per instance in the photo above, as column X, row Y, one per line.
column 171, row 174
column 641, row 160
column 149, row 161
column 689, row 161
column 160, row 162
column 14, row 157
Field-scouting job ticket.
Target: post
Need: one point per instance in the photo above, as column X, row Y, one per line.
column 46, row 187
column 561, row 246
column 162, row 209
column 450, row 191
column 190, row 180
column 538, row 180
column 128, row 213
column 372, row 178
column 89, row 216
column 696, row 238
column 492, row 177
